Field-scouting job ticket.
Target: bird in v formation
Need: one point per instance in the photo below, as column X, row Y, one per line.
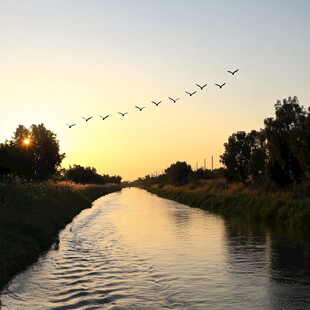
column 174, row 100
column 191, row 94
column 140, row 109
column 220, row 86
column 157, row 103
column 87, row 118
column 201, row 87
column 233, row 72
column 104, row 117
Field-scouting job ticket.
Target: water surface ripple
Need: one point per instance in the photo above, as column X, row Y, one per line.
column 133, row 250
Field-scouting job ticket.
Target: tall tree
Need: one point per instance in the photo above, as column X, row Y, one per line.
column 244, row 156
column 32, row 153
column 287, row 137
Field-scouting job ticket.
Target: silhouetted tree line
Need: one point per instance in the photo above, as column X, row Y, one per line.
column 33, row 153
column 279, row 153
column 89, row 175
column 179, row 173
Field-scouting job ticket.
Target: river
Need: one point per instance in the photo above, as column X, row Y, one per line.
column 134, row 250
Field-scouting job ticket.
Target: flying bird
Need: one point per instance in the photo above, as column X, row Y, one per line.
column 139, row 108
column 71, row 125
column 220, row 86
column 174, row 100
column 123, row 114
column 191, row 94
column 156, row 103
column 202, row 87
column 87, row 119
column 103, row 118
column 233, row 72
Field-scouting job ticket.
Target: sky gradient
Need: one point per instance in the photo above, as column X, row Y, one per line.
column 61, row 60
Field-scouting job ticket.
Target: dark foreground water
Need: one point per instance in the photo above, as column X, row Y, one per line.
column 133, row 250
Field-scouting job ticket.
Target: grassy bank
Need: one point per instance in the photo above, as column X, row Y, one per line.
column 31, row 215
column 237, row 200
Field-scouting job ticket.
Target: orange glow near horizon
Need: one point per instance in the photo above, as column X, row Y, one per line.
column 26, row 141
column 61, row 62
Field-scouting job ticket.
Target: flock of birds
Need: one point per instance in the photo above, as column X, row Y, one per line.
column 159, row 102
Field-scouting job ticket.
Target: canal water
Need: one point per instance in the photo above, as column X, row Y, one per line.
column 134, row 250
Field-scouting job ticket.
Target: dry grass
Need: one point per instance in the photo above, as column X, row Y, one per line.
column 224, row 188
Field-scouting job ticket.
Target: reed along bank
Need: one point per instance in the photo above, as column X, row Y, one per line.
column 31, row 216
column 283, row 208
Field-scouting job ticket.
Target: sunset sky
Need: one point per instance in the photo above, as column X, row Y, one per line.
column 61, row 60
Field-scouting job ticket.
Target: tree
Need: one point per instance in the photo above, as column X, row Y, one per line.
column 287, row 142
column 178, row 173
column 244, row 156
column 89, row 175
column 32, row 153
column 79, row 174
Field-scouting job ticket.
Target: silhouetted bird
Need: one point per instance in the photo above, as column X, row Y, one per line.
column 191, row 94
column 156, row 103
column 87, row 119
column 139, row 108
column 233, row 72
column 103, row 118
column 71, row 125
column 174, row 100
column 123, row 114
column 202, row 87
column 220, row 86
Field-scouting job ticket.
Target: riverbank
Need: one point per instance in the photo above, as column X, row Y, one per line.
column 236, row 200
column 32, row 214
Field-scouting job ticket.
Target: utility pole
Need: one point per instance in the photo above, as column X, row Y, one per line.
column 205, row 164
column 212, row 162
column 196, row 165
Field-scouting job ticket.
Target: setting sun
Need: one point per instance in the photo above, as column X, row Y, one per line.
column 26, row 141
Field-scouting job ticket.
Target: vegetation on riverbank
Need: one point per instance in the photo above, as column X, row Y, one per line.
column 267, row 173
column 32, row 215
column 278, row 207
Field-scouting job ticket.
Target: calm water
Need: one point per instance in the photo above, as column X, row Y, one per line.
column 133, row 250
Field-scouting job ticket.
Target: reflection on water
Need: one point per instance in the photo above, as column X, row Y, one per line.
column 133, row 250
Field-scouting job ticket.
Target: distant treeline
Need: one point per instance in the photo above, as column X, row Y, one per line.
column 88, row 175
column 276, row 156
column 33, row 154
column 180, row 173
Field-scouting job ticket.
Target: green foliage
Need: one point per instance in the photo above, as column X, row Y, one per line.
column 287, row 137
column 278, row 153
column 32, row 214
column 37, row 160
column 273, row 210
column 243, row 155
